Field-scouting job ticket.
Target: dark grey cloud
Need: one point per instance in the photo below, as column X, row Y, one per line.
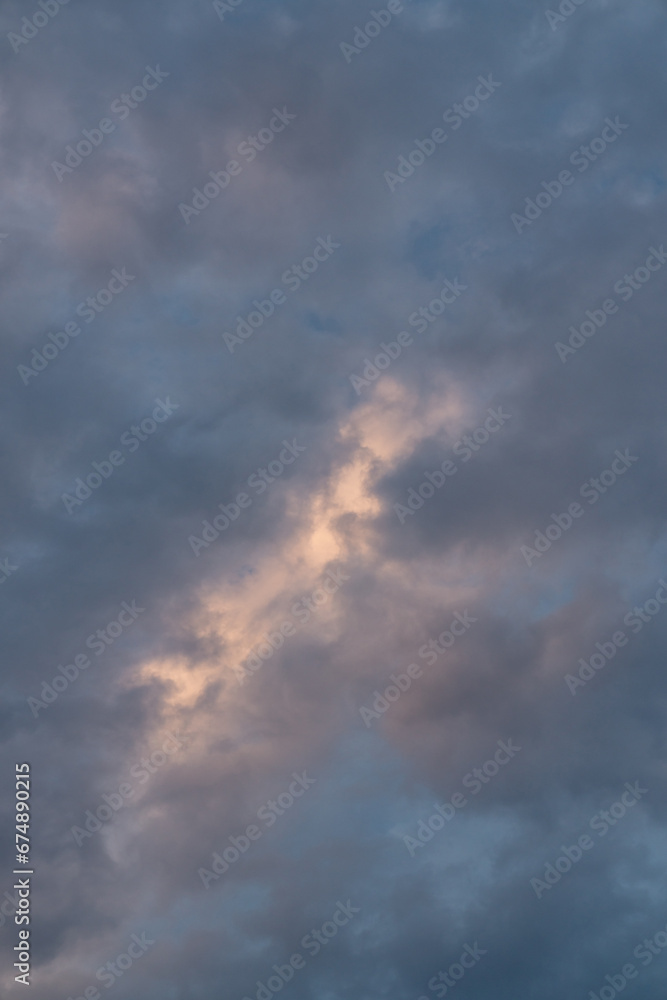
column 174, row 669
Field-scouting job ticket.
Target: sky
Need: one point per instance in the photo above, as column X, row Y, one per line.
column 332, row 563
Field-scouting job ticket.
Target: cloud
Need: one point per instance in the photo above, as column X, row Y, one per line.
column 332, row 511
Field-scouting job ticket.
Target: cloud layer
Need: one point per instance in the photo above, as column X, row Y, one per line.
column 450, row 346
